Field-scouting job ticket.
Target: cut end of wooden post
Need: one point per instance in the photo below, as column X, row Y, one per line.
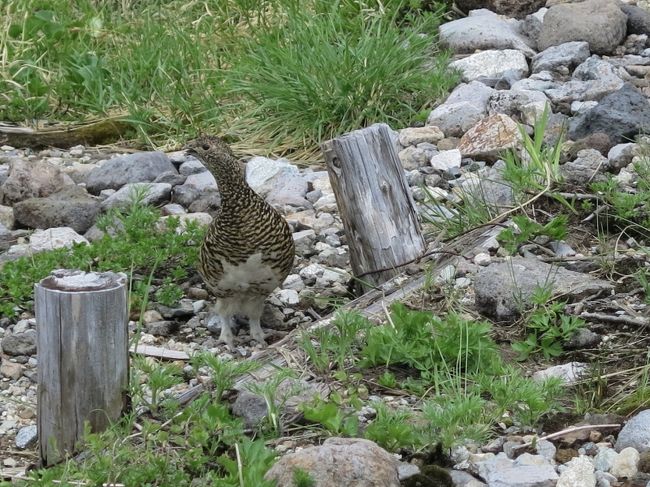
column 80, row 281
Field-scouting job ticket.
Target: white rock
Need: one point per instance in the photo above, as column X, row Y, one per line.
column 446, row 160
column 154, row 193
column 569, row 373
column 288, row 297
column 7, row 217
column 626, row 464
column 482, row 259
column 491, row 64
column 54, row 238
column 261, row 171
column 579, row 473
column 293, row 281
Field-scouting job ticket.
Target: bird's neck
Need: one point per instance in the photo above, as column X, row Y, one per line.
column 229, row 175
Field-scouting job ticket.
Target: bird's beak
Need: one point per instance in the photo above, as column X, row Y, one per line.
column 189, row 149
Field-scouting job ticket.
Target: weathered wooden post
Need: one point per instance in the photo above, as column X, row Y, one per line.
column 82, row 356
column 374, row 201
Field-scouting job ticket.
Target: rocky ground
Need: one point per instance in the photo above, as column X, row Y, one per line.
column 589, row 61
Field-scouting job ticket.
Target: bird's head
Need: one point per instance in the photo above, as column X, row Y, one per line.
column 219, row 159
column 207, row 147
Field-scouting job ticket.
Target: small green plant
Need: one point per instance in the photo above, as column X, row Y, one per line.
column 275, row 391
column 301, row 478
column 334, row 417
column 527, row 229
column 169, row 293
column 223, row 372
column 393, row 429
column 548, row 327
column 159, row 377
column 643, row 278
column 336, row 344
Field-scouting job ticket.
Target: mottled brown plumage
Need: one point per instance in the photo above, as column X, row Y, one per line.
column 248, row 249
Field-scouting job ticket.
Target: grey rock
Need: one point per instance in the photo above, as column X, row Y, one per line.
column 132, row 168
column 592, row 80
column 304, row 242
column 203, row 181
column 7, row 217
column 154, row 194
column 579, row 473
column 446, row 160
column 524, row 105
column 162, row 328
column 482, row 30
column 568, row 373
column 547, row 450
column 185, row 195
column 11, row 370
column 604, row 459
column 339, row 461
column 542, row 81
column 582, row 106
column 621, row 115
column 621, row 155
column 500, row 471
column 589, row 166
column 454, row 119
column 465, row 479
column 583, row 339
column 532, row 24
column 626, row 464
column 191, row 166
column 491, row 64
column 26, row 437
column 638, row 19
column 567, row 55
column 418, row 135
column 289, row 190
column 170, row 177
column 510, row 8
column 251, row 408
column 561, row 248
column 503, row 288
column 474, row 93
column 18, row 344
column 261, row 173
column 32, row 179
column 635, row 433
column 413, row 158
column 73, row 207
column 488, row 190
column 598, row 22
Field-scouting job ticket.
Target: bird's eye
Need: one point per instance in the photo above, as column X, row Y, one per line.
column 205, row 147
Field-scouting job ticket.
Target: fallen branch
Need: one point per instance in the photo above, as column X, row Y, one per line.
column 628, row 320
column 572, row 429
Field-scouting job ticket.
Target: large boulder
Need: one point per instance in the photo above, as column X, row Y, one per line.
column 73, row 207
column 504, row 290
column 32, row 179
column 601, row 23
column 337, row 462
column 622, row 115
column 511, row 8
column 133, row 168
column 482, row 30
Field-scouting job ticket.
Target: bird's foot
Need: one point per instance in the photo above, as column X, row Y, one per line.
column 227, row 337
column 258, row 336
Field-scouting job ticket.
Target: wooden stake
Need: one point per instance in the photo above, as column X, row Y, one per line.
column 82, row 345
column 375, row 203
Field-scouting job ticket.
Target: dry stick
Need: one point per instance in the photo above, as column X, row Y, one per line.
column 573, row 429
column 628, row 320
